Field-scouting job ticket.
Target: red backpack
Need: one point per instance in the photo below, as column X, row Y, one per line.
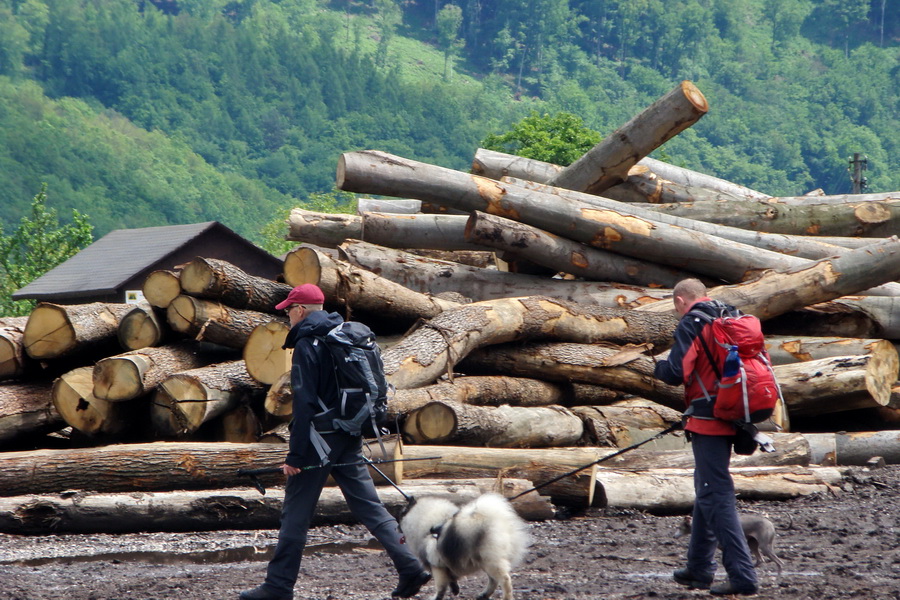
column 746, row 386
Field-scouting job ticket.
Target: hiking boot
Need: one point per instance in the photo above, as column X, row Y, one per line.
column 263, row 593
column 726, row 589
column 410, row 585
column 694, row 582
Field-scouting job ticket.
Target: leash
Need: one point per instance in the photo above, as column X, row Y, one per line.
column 254, row 474
column 673, row 427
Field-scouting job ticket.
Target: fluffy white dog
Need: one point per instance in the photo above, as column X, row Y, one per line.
column 452, row 541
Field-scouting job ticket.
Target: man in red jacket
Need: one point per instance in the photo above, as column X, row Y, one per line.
column 715, row 517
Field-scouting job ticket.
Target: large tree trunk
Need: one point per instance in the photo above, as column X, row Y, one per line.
column 854, row 448
column 506, row 426
column 847, row 316
column 13, row 359
column 213, row 322
column 211, row 510
column 774, row 293
column 607, row 163
column 643, row 185
column 785, row 350
column 26, row 409
column 161, row 287
column 624, row 369
column 671, row 491
column 142, row 327
column 797, row 246
column 73, row 397
column 433, row 349
column 382, row 173
column 361, row 289
column 567, row 256
column 264, row 355
column 55, row 330
column 132, row 374
column 495, row 391
column 435, row 232
column 867, row 219
column 184, row 401
column 428, row 275
column 837, row 384
column 220, row 280
column 497, row 165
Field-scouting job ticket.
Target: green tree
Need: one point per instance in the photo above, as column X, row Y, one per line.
column 387, row 17
column 449, row 20
column 559, row 139
column 37, row 245
column 333, row 202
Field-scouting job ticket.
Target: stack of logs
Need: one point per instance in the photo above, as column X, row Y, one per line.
column 520, row 313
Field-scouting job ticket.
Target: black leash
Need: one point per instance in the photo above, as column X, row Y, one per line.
column 673, row 427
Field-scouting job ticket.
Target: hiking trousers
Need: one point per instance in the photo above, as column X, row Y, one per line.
column 715, row 517
column 300, row 497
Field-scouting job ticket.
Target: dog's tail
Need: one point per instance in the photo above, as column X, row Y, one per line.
column 497, row 511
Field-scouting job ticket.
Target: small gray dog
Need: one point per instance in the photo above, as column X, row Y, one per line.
column 452, row 541
column 760, row 534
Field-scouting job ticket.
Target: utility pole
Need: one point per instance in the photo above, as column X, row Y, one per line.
column 857, row 166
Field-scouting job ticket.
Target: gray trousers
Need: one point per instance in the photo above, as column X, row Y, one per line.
column 300, row 497
column 715, row 519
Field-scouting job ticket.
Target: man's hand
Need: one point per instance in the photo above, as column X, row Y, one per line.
column 289, row 470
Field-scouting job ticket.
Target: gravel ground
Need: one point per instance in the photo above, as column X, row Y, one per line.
column 840, row 545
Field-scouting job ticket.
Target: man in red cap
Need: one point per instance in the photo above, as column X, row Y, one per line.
column 316, row 444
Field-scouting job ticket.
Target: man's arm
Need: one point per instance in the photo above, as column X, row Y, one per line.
column 305, row 389
column 671, row 370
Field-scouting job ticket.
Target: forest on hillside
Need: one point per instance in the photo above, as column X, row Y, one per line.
column 145, row 112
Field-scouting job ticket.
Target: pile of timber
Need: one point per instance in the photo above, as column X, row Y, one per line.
column 520, row 307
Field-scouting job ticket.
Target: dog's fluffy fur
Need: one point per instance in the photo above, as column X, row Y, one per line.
column 452, row 541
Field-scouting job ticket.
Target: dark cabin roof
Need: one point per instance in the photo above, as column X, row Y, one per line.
column 126, row 256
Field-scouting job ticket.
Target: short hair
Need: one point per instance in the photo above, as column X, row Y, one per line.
column 312, row 307
column 689, row 289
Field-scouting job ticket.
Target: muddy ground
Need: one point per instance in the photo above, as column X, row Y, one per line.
column 841, row 545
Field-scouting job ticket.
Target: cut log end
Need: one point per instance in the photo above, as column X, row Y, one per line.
column 117, row 379
column 181, row 314
column 302, row 266
column 72, row 395
column 197, row 277
column 263, row 354
column 139, row 329
column 178, row 406
column 161, row 287
column 695, row 96
column 48, row 332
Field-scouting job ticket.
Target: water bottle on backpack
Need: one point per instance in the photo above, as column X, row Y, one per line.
column 732, row 364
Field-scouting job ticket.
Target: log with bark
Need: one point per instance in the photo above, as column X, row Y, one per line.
column 671, row 491
column 797, row 246
column 13, row 358
column 142, row 327
column 361, row 289
column 220, row 280
column 837, row 384
column 161, row 287
column 623, row 426
column 847, row 316
column 214, row 322
column 861, row 219
column 791, row 349
column 73, row 396
column 427, row 275
column 26, row 410
column 265, row 358
column 501, row 426
column 567, row 256
column 388, row 205
column 643, row 185
column 620, row 368
column 436, row 232
column 55, row 330
column 184, row 401
column 235, row 508
column 607, row 163
column 440, row 343
column 856, row 448
column 133, row 374
column 775, row 293
column 497, row 165
column 382, row 173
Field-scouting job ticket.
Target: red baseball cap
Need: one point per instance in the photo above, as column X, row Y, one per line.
column 302, row 294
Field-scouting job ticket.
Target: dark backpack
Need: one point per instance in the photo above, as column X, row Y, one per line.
column 746, row 390
column 362, row 387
